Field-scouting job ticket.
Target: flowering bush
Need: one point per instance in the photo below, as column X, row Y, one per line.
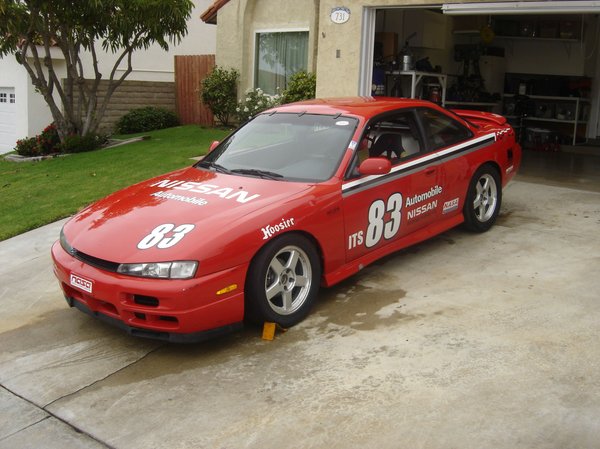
column 45, row 143
column 49, row 139
column 28, row 147
column 254, row 102
column 48, row 142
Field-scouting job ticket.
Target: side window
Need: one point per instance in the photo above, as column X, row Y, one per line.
column 395, row 136
column 441, row 130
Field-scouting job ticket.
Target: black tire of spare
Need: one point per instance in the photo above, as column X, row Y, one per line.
column 268, row 269
column 480, row 217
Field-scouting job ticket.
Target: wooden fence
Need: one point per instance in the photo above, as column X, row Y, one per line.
column 189, row 72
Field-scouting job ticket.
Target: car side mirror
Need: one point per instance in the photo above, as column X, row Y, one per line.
column 213, row 145
column 375, row 166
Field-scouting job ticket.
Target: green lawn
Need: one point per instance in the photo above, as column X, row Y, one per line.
column 33, row 194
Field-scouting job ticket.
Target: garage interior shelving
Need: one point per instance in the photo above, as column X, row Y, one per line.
column 548, row 47
column 571, row 111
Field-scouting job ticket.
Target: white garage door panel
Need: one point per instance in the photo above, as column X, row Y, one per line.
column 8, row 119
column 524, row 7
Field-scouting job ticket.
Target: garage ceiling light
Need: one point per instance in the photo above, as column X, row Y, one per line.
column 548, row 7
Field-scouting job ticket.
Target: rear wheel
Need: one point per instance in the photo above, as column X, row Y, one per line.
column 484, row 198
column 283, row 281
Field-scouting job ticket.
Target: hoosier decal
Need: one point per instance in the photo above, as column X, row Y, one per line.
column 271, row 230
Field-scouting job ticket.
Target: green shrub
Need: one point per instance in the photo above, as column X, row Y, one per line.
column 80, row 144
column 254, row 102
column 145, row 119
column 219, row 92
column 302, row 86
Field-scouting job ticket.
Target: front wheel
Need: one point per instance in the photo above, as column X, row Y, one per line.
column 283, row 281
column 484, row 198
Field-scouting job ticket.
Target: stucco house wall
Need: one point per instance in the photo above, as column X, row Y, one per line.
column 242, row 19
column 336, row 48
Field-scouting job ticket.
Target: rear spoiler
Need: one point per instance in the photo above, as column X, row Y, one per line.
column 480, row 116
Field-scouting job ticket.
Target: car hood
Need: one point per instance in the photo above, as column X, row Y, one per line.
column 214, row 204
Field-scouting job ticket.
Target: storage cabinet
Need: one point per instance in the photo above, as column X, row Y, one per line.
column 429, row 28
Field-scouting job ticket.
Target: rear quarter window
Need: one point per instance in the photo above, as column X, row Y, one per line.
column 441, row 130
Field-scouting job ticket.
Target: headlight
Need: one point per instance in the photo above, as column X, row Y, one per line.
column 165, row 270
column 63, row 242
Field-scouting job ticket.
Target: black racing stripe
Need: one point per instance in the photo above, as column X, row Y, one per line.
column 407, row 170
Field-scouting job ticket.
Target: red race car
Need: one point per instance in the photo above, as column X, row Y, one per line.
column 302, row 195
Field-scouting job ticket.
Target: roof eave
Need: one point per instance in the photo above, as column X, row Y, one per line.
column 210, row 15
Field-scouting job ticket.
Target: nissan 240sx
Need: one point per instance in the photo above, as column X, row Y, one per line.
column 302, row 195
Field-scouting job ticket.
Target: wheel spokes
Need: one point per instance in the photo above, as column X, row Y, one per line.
column 293, row 260
column 288, row 300
column 274, row 289
column 485, row 200
column 276, row 267
column 288, row 280
column 301, row 281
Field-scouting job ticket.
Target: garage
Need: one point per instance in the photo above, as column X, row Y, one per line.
column 8, row 119
column 534, row 62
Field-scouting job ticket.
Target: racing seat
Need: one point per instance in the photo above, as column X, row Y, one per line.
column 410, row 145
column 388, row 143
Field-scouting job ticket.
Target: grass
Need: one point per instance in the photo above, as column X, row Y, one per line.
column 33, row 194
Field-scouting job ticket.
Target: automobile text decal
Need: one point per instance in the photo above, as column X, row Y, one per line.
column 165, row 236
column 182, row 198
column 424, row 207
column 228, row 193
column 271, row 230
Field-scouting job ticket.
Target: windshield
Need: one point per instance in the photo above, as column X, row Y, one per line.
column 285, row 146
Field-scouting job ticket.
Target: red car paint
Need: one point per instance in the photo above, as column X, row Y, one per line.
column 230, row 217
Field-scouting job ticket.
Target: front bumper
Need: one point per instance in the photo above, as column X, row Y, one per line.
column 172, row 310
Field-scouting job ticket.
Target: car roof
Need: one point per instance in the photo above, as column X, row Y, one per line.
column 358, row 106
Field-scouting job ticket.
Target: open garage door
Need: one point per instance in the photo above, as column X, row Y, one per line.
column 487, row 55
column 8, row 119
column 524, row 7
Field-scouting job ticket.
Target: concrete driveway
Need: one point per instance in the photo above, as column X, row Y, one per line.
column 464, row 341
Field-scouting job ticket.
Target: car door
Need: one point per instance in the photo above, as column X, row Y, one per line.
column 380, row 209
column 448, row 142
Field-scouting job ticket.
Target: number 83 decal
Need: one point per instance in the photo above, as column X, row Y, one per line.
column 378, row 227
column 165, row 236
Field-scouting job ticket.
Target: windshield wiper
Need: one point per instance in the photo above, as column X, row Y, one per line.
column 214, row 166
column 256, row 172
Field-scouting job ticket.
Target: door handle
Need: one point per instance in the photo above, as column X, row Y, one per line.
column 430, row 171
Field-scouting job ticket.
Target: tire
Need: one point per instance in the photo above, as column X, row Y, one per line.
column 484, row 199
column 283, row 281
